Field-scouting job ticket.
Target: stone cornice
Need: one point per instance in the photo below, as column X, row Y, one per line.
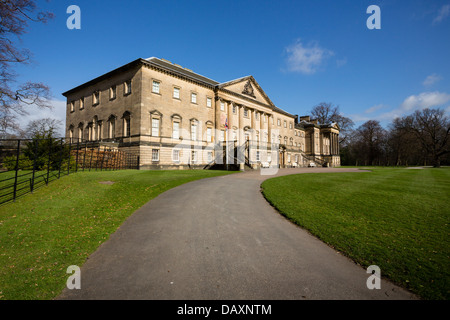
column 176, row 75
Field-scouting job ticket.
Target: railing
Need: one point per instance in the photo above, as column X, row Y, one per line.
column 27, row 164
column 313, row 159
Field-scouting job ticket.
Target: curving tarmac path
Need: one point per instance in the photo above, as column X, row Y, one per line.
column 218, row 238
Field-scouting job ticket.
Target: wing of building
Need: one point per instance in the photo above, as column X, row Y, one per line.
column 173, row 117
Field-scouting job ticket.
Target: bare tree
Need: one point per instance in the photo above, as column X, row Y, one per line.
column 432, row 128
column 404, row 148
column 14, row 18
column 370, row 139
column 43, row 127
column 326, row 113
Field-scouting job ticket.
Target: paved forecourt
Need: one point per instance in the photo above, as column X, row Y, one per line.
column 218, row 238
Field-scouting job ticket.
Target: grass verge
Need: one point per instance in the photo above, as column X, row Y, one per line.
column 60, row 225
column 394, row 218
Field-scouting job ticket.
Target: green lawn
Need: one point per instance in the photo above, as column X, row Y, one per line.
column 397, row 219
column 41, row 234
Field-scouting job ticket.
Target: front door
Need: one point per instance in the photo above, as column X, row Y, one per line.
column 281, row 160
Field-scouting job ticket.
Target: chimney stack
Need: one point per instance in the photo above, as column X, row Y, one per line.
column 305, row 118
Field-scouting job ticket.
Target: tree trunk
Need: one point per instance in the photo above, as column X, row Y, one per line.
column 437, row 162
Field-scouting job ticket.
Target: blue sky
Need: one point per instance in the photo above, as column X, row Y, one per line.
column 300, row 52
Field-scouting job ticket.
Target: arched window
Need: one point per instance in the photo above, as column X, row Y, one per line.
column 80, row 131
column 94, row 128
column 90, row 135
column 99, row 130
column 194, row 129
column 209, row 131
column 111, row 127
column 176, row 126
column 126, row 124
column 155, row 123
column 71, row 133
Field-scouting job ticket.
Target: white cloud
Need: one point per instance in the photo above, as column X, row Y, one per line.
column 443, row 13
column 359, row 118
column 306, row 59
column 431, row 79
column 408, row 106
column 375, row 108
column 58, row 112
column 424, row 100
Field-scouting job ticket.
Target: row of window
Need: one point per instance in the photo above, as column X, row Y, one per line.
column 176, row 93
column 156, row 88
column 95, row 128
column 96, row 96
column 176, row 156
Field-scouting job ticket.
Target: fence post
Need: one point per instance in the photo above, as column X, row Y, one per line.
column 34, row 165
column 60, row 158
column 76, row 160
column 115, row 160
column 96, row 158
column 90, row 161
column 68, row 157
column 103, row 158
column 137, row 164
column 84, row 154
column 49, row 157
column 17, row 169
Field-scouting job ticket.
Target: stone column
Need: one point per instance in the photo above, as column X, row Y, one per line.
column 217, row 121
column 252, row 123
column 337, row 144
column 218, row 150
column 229, row 133
column 241, row 138
column 331, row 143
column 230, row 118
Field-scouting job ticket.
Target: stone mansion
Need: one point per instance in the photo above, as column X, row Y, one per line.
column 175, row 118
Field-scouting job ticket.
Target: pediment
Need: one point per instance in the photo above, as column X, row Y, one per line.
column 335, row 125
column 249, row 88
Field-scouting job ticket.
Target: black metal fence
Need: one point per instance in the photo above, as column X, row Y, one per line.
column 27, row 164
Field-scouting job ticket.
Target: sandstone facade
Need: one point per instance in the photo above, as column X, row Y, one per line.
column 174, row 118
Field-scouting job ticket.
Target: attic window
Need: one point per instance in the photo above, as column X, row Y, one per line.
column 127, row 87
column 96, row 98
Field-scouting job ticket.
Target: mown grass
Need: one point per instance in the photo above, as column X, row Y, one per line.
column 394, row 218
column 60, row 225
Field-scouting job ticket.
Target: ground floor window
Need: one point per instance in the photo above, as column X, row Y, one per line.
column 176, row 155
column 155, row 155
